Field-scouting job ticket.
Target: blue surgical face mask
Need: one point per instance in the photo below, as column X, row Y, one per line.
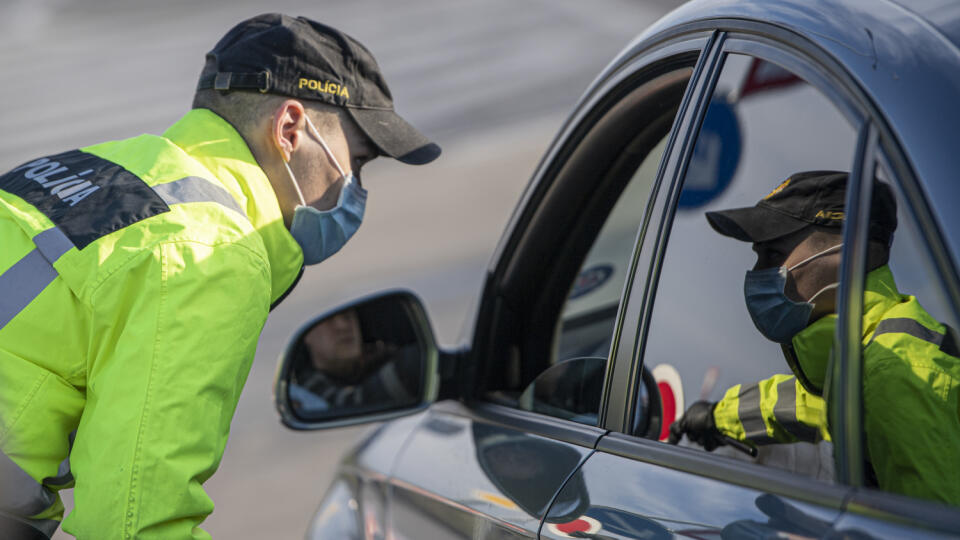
column 321, row 233
column 775, row 315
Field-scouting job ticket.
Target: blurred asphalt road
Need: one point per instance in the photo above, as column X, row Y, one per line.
column 491, row 81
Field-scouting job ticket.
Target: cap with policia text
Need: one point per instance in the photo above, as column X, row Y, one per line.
column 304, row 59
column 804, row 199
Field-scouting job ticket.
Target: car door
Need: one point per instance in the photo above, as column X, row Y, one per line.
column 490, row 466
column 903, row 466
column 764, row 109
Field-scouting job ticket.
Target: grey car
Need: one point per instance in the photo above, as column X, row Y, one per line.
column 610, row 304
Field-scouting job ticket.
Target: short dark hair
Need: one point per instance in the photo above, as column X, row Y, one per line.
column 244, row 109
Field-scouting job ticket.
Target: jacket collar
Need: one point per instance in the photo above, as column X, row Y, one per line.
column 213, row 142
column 812, row 346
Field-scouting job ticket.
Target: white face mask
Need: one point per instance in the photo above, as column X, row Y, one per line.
column 321, row 233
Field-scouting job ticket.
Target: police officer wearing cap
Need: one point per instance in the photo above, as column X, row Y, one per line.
column 911, row 366
column 136, row 275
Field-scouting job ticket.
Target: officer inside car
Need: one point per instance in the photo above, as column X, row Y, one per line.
column 911, row 375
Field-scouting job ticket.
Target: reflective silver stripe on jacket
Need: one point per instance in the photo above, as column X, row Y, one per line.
column 907, row 326
column 20, row 494
column 751, row 415
column 195, row 189
column 948, row 342
column 18, row 528
column 29, row 276
column 785, row 411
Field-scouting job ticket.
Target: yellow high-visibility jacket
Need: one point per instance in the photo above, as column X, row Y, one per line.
column 911, row 395
column 135, row 278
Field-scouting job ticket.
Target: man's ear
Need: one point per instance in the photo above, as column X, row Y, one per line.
column 286, row 127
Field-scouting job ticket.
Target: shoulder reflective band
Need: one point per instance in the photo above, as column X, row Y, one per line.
column 27, row 278
column 946, row 342
column 909, row 327
column 196, row 189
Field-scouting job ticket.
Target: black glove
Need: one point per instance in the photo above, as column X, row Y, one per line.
column 698, row 425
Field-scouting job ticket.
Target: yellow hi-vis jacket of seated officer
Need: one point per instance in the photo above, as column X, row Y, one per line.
column 911, row 395
column 135, row 278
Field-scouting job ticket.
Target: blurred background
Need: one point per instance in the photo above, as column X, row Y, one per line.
column 491, row 81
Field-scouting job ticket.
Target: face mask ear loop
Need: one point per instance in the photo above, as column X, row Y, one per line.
column 296, row 186
column 293, row 179
column 325, row 147
column 823, row 290
column 815, row 255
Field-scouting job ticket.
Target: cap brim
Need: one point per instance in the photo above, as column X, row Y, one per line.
column 754, row 223
column 394, row 136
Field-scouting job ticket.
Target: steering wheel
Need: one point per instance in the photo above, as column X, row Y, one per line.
column 649, row 420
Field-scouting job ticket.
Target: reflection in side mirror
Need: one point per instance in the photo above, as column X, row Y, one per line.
column 370, row 360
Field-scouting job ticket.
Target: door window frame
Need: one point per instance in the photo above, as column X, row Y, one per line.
column 621, row 82
column 881, row 150
column 823, row 73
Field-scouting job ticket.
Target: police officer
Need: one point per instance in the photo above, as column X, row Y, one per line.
column 136, row 275
column 911, row 365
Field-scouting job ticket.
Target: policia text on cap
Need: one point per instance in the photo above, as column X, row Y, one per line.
column 911, row 364
column 136, row 275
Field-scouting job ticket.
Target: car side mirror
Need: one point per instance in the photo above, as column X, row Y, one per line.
column 370, row 360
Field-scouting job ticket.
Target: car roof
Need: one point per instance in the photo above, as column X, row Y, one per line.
column 905, row 60
column 942, row 14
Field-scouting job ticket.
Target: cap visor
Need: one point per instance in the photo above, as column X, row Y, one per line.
column 753, row 224
column 395, row 136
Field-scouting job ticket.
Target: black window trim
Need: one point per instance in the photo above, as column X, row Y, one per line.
column 843, row 388
column 639, row 303
column 623, row 376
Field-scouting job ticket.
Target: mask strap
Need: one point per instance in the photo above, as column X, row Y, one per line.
column 814, row 256
column 823, row 290
column 324, row 145
column 293, row 179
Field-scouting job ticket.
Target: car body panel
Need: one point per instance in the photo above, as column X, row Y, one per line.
column 429, row 476
column 354, row 506
column 460, row 476
column 637, row 499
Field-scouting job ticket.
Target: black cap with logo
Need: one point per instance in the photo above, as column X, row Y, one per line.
column 304, row 59
column 804, row 199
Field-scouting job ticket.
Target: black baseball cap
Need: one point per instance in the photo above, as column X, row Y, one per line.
column 304, row 59
column 804, row 199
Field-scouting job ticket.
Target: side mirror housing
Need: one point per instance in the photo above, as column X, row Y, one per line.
column 369, row 360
